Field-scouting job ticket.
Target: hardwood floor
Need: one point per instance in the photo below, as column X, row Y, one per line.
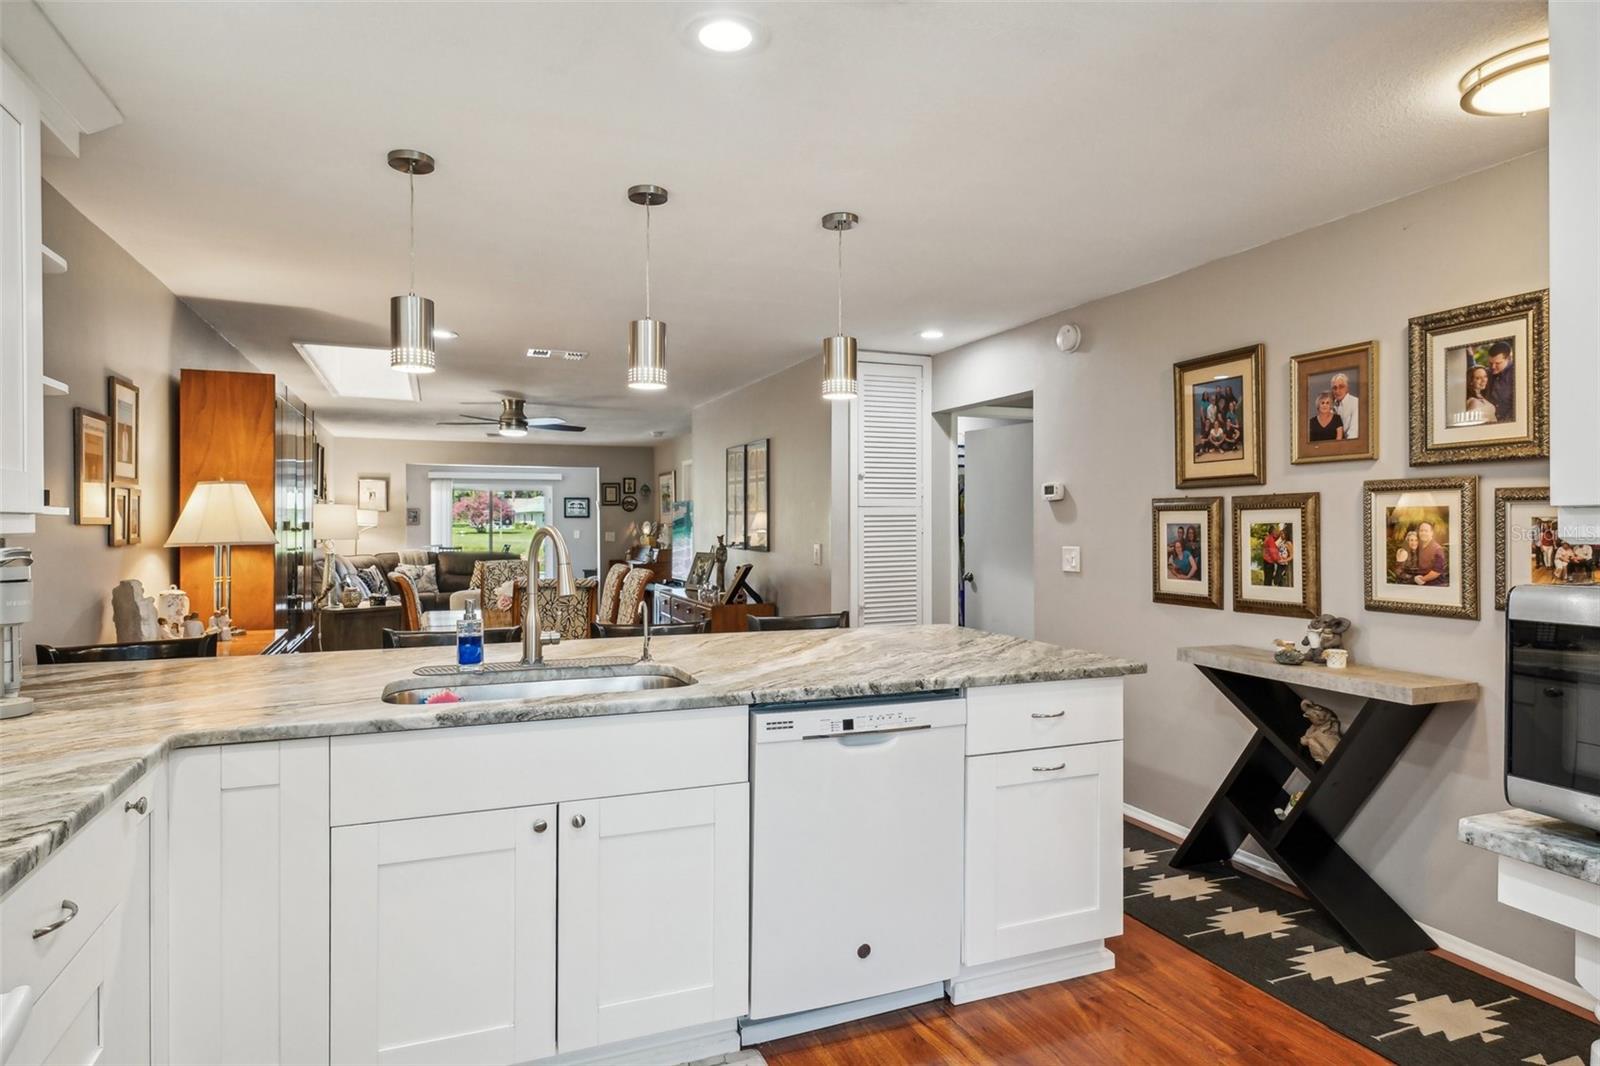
column 1161, row 1004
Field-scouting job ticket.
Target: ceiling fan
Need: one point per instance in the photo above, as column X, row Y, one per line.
column 513, row 421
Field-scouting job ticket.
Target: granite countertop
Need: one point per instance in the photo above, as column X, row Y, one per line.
column 1558, row 846
column 99, row 727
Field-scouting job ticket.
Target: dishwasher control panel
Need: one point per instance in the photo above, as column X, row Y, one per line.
column 807, row 722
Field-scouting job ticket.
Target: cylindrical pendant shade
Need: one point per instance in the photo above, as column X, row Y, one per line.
column 839, row 368
column 411, row 334
column 647, row 354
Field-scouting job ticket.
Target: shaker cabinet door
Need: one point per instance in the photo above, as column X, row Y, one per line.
column 1044, row 850
column 655, row 906
column 444, row 938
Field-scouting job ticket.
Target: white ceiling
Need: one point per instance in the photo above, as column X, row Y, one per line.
column 1008, row 160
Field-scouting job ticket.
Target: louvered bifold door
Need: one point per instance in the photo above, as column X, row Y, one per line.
column 890, row 535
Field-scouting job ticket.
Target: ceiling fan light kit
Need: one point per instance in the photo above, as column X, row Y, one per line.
column 647, row 336
column 839, row 350
column 411, row 316
column 513, row 421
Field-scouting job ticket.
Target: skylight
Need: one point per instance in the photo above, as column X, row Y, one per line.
column 358, row 373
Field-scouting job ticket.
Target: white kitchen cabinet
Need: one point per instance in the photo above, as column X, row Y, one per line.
column 444, row 939
column 1044, row 848
column 21, row 306
column 654, row 917
column 246, row 907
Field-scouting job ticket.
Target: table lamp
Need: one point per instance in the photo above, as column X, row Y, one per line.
column 365, row 519
column 221, row 515
column 331, row 522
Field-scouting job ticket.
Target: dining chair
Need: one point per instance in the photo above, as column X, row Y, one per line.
column 133, row 651
column 758, row 623
column 671, row 629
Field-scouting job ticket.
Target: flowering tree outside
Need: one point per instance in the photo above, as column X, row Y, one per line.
column 478, row 509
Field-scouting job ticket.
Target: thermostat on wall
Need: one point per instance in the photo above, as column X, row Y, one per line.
column 1053, row 490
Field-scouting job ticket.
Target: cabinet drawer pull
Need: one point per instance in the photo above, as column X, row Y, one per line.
column 141, row 805
column 72, row 912
column 540, row 826
column 579, row 821
column 1048, row 769
column 1053, row 714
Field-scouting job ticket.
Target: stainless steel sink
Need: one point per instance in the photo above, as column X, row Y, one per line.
column 539, row 683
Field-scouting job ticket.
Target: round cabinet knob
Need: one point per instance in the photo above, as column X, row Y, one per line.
column 141, row 805
column 540, row 826
column 579, row 821
column 863, row 951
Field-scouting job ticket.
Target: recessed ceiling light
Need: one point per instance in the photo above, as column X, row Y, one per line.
column 931, row 334
column 444, row 334
column 725, row 35
column 1513, row 82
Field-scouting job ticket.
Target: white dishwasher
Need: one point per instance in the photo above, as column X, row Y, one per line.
column 856, row 850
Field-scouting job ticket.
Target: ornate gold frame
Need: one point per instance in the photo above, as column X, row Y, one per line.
column 1257, row 353
column 1503, row 498
column 1309, row 505
column 1212, row 505
column 1535, row 307
column 1369, row 403
column 1467, row 489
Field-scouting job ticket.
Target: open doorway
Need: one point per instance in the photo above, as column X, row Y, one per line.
column 994, row 516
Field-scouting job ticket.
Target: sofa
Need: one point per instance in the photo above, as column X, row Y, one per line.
column 452, row 568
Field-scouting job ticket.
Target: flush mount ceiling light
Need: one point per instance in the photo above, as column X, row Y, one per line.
column 932, row 334
column 647, row 338
column 724, row 33
column 1514, row 82
column 411, row 316
column 839, row 351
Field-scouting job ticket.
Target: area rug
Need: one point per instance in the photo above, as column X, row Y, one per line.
column 1418, row 1009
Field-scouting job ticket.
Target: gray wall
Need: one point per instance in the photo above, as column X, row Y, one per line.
column 788, row 408
column 109, row 315
column 1104, row 427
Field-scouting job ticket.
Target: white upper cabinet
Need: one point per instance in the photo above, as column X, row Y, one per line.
column 21, row 306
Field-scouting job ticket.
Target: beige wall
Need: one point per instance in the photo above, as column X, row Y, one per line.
column 786, row 407
column 108, row 315
column 1104, row 427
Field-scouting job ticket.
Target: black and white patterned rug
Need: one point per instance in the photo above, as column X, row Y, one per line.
column 1418, row 1009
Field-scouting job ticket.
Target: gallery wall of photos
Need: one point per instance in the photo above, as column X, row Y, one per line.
column 105, row 465
column 1479, row 391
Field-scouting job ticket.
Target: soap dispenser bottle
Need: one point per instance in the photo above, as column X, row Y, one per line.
column 469, row 639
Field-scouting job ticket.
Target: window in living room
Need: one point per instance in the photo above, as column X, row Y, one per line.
column 498, row 518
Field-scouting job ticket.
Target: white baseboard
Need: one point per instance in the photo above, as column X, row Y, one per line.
column 761, row 1030
column 1029, row 971
column 715, row 1041
column 1489, row 960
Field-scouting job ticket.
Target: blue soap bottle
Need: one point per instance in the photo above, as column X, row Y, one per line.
column 469, row 639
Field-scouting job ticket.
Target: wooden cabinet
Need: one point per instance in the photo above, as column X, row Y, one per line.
column 247, row 904
column 1044, row 850
column 671, row 606
column 444, row 939
column 654, row 923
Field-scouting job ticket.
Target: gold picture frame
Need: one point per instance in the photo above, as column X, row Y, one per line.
column 1224, row 391
column 1186, row 535
column 91, row 468
column 117, row 533
column 1528, row 549
column 1285, row 570
column 1402, row 573
column 1355, row 367
column 122, row 411
column 1480, row 381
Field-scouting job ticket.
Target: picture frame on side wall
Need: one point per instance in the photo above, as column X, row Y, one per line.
column 666, row 495
column 1480, row 381
column 575, row 507
column 1218, row 419
column 1186, row 551
column 1333, row 404
column 122, row 406
column 630, row 486
column 1421, row 552
column 372, row 493
column 91, row 468
column 1528, row 548
column 610, row 493
column 117, row 532
column 1277, row 554
column 135, row 516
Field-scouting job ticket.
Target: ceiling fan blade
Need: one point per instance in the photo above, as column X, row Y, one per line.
column 564, row 427
column 476, row 421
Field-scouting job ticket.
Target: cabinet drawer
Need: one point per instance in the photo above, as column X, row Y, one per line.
column 92, row 870
column 1043, row 715
column 384, row 776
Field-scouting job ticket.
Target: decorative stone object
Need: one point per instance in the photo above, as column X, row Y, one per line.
column 1324, row 632
column 350, row 597
column 133, row 613
column 1323, row 735
column 1288, row 654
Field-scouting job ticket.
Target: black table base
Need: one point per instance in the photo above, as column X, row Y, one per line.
column 1305, row 844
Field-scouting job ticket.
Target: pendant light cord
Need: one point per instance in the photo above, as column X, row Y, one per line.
column 647, row 259
column 411, row 183
column 840, row 232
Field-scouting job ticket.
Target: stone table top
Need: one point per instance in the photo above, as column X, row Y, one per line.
column 1392, row 686
column 1558, row 846
column 99, row 727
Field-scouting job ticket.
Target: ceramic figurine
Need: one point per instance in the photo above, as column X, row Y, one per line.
column 220, row 624
column 1283, row 812
column 721, row 556
column 1323, row 735
column 1324, row 632
column 172, row 607
column 192, row 626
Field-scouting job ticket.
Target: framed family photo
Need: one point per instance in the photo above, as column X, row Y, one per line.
column 1529, row 548
column 1334, row 404
column 1480, row 381
column 1217, row 419
column 1277, row 554
column 1422, row 546
column 1186, row 551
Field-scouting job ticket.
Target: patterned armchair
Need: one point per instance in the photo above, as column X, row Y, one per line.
column 569, row 615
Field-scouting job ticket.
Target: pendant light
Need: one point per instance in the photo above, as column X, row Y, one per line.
column 839, row 351
column 647, row 337
column 411, row 316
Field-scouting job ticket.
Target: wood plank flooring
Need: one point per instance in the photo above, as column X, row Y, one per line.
column 1161, row 1004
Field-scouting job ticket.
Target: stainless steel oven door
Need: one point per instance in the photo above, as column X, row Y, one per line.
column 1553, row 701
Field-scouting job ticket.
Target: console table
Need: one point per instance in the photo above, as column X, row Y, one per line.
column 355, row 628
column 1305, row 843
column 674, row 604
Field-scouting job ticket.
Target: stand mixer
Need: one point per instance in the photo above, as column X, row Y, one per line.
column 16, row 607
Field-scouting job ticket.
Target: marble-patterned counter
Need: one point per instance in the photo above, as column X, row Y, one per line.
column 1557, row 846
column 99, row 727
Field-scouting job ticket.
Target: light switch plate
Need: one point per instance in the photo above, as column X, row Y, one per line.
column 611, row 536
column 1071, row 560
column 816, row 555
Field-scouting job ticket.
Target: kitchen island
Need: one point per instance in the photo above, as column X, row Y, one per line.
column 284, row 830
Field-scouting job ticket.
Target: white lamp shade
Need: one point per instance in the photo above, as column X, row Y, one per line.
column 366, row 519
column 334, row 521
column 220, row 512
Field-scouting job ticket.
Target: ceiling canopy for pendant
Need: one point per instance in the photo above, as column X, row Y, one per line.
column 839, row 350
column 411, row 316
column 647, row 337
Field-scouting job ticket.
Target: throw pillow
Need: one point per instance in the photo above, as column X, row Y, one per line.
column 425, row 578
column 373, row 578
